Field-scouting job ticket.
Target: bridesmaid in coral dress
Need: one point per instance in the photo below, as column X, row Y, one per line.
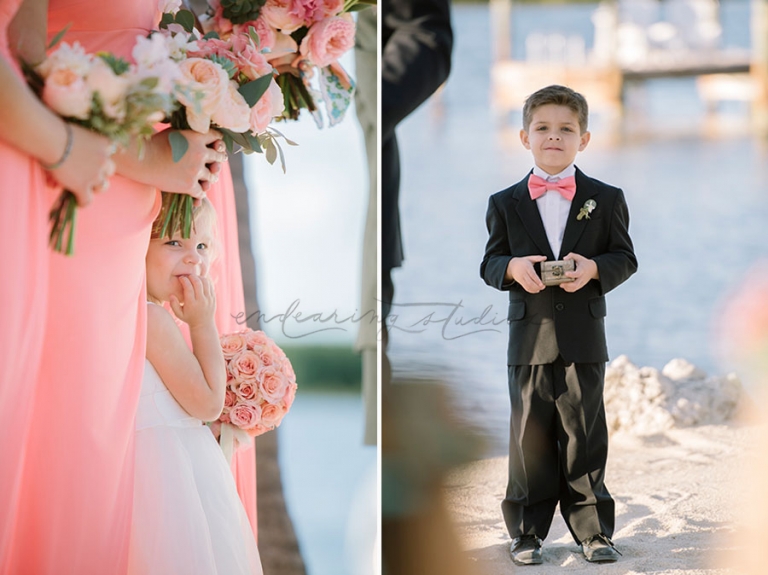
column 230, row 315
column 74, row 510
column 30, row 134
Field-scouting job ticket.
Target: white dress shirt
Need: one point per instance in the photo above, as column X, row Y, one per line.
column 554, row 208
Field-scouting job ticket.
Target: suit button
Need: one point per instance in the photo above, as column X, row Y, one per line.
column 559, row 307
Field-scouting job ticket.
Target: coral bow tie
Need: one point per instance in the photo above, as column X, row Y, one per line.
column 539, row 186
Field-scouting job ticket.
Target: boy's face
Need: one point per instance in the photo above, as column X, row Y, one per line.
column 554, row 137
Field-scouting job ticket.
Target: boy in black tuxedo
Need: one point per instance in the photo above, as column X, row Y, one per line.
column 557, row 350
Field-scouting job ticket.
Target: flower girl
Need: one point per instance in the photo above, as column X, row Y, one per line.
column 187, row 516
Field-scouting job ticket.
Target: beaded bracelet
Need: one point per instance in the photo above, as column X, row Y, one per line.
column 67, row 150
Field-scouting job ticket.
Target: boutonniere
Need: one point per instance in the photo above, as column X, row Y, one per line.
column 586, row 209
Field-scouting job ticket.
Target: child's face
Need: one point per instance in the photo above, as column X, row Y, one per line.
column 554, row 137
column 168, row 260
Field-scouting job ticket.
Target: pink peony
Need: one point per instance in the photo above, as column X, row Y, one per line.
column 245, row 415
column 232, row 344
column 244, row 365
column 327, row 40
column 201, row 75
column 272, row 385
column 271, row 105
column 318, row 10
column 284, row 15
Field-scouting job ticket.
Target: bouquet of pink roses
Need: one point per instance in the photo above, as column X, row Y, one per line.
column 106, row 94
column 231, row 89
column 261, row 387
column 303, row 40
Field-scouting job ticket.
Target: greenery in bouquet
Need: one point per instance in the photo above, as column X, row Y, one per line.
column 303, row 40
column 228, row 86
column 101, row 92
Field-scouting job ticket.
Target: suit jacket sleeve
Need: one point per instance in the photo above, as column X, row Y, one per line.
column 416, row 56
column 497, row 253
column 619, row 261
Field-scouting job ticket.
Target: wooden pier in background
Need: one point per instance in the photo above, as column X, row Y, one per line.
column 722, row 74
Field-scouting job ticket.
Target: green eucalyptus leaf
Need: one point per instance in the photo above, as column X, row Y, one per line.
column 254, row 90
column 186, row 19
column 57, row 38
column 179, row 145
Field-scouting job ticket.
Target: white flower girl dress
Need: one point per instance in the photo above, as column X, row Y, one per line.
column 187, row 516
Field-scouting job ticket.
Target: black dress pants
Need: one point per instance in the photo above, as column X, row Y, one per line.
column 558, row 449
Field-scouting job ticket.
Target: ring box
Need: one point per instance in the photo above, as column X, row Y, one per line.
column 553, row 272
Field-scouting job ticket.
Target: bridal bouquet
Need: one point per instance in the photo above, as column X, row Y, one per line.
column 303, row 40
column 106, row 94
column 261, row 387
column 231, row 89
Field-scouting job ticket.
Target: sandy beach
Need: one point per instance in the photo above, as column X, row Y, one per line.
column 677, row 511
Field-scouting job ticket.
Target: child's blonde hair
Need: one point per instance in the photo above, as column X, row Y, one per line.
column 203, row 214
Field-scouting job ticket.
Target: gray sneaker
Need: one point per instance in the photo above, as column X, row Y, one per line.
column 599, row 549
column 526, row 550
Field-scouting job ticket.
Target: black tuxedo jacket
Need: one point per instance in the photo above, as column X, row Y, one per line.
column 554, row 321
column 415, row 60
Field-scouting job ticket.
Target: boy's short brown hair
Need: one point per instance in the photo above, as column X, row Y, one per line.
column 559, row 96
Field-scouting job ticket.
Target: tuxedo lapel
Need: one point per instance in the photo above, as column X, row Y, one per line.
column 531, row 218
column 574, row 227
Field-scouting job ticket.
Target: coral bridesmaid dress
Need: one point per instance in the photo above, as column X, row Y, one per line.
column 23, row 293
column 74, row 513
column 230, row 315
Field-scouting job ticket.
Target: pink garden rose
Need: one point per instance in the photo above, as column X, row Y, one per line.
column 258, row 396
column 212, row 81
column 212, row 47
column 244, row 365
column 247, row 390
column 271, row 105
column 284, row 15
column 229, row 399
column 245, row 415
column 327, row 40
column 287, row 370
column 232, row 343
column 272, row 415
column 233, row 112
column 272, row 385
column 256, row 339
column 110, row 87
column 67, row 93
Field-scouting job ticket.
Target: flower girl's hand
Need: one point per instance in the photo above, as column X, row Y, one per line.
column 199, row 303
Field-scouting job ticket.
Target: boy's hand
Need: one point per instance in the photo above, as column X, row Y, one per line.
column 521, row 270
column 199, row 301
column 586, row 269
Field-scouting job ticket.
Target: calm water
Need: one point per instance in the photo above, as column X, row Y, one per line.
column 698, row 206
